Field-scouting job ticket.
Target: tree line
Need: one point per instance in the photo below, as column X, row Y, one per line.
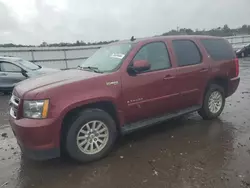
column 220, row 31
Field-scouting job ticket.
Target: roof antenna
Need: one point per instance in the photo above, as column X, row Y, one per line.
column 132, row 38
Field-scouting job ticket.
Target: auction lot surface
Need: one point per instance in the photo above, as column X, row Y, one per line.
column 182, row 153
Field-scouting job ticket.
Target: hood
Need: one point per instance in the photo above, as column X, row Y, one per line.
column 42, row 71
column 238, row 50
column 57, row 78
column 47, row 70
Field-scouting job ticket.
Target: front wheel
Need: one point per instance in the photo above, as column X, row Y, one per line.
column 213, row 103
column 91, row 136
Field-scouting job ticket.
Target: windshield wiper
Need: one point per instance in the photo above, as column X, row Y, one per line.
column 95, row 69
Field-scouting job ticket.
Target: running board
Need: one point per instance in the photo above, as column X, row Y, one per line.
column 128, row 128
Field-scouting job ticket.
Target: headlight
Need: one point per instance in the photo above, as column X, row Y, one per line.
column 36, row 109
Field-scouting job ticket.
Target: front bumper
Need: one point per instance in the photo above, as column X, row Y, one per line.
column 38, row 139
column 40, row 155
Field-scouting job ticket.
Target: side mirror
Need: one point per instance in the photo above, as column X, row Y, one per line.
column 140, row 66
column 24, row 73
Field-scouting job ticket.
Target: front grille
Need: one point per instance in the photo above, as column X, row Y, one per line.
column 14, row 103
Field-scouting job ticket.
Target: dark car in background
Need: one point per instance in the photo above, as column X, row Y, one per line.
column 14, row 70
column 242, row 50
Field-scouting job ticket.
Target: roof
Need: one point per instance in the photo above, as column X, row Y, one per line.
column 8, row 58
column 165, row 37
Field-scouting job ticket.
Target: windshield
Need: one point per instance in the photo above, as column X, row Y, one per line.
column 107, row 58
column 27, row 64
column 239, row 46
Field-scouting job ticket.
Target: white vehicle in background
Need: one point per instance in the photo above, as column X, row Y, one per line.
column 14, row 70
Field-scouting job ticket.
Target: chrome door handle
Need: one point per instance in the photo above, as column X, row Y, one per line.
column 204, row 70
column 168, row 77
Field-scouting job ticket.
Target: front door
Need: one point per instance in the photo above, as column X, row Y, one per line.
column 192, row 72
column 10, row 74
column 150, row 93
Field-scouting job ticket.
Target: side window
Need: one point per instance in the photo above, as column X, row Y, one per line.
column 156, row 54
column 8, row 67
column 187, row 52
column 218, row 49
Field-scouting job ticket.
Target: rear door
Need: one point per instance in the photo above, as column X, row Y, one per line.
column 150, row 93
column 192, row 72
column 221, row 56
column 10, row 74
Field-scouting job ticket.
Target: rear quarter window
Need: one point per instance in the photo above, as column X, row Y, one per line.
column 218, row 49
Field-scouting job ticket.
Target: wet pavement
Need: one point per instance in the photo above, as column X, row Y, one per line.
column 182, row 153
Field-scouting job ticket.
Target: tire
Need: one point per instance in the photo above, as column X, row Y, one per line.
column 90, row 117
column 208, row 113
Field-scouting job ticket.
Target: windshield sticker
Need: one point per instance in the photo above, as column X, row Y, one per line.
column 119, row 56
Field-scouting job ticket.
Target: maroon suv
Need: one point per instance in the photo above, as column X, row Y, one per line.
column 123, row 87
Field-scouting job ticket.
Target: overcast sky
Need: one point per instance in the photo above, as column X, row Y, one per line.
column 35, row 21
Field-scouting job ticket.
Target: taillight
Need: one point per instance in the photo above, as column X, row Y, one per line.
column 237, row 69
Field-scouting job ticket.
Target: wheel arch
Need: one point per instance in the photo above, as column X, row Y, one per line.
column 219, row 80
column 72, row 113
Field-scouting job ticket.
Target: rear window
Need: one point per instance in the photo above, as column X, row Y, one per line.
column 218, row 49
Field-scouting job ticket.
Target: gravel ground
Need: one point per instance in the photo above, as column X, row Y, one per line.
column 182, row 153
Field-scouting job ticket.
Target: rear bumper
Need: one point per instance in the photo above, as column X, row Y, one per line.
column 38, row 139
column 233, row 86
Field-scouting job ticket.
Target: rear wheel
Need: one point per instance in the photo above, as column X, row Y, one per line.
column 214, row 102
column 91, row 136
